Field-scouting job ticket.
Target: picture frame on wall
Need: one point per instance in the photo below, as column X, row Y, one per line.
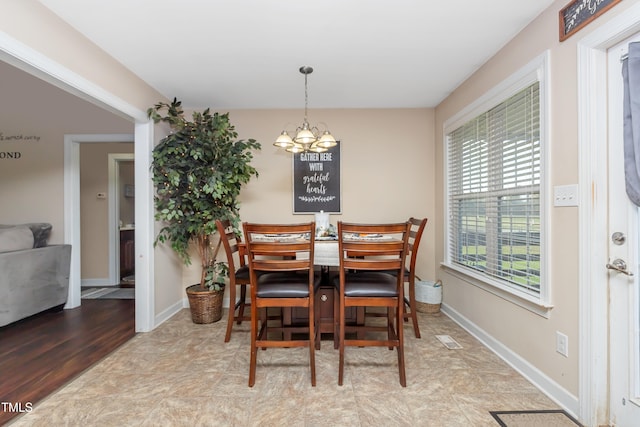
column 579, row 13
column 317, row 182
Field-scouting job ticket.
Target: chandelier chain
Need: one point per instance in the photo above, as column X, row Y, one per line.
column 306, row 96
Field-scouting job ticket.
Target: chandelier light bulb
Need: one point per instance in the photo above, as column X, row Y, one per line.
column 284, row 140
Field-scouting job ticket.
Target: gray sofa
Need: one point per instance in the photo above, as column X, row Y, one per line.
column 34, row 276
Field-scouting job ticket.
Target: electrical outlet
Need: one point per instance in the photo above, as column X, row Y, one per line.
column 562, row 344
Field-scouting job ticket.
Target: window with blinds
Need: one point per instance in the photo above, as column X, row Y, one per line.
column 494, row 193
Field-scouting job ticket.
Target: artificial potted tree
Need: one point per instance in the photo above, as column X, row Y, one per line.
column 198, row 171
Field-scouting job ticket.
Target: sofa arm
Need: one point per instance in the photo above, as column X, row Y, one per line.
column 33, row 280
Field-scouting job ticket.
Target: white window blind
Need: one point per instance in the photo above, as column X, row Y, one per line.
column 494, row 192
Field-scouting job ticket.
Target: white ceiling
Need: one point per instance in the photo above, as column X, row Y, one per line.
column 236, row 54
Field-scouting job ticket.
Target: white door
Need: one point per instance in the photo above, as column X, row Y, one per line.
column 624, row 250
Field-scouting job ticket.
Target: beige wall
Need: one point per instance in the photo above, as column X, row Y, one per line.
column 530, row 336
column 94, row 211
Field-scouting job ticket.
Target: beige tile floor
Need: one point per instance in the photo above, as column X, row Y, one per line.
column 182, row 374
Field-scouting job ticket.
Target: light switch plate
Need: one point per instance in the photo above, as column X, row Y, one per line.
column 565, row 195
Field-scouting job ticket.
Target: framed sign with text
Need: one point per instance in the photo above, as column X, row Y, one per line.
column 316, row 182
column 579, row 13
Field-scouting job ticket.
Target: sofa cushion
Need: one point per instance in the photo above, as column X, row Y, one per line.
column 40, row 230
column 16, row 238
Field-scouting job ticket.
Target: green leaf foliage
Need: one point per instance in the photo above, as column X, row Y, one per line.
column 198, row 172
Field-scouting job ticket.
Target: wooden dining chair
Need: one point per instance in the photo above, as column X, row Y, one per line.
column 368, row 255
column 281, row 279
column 417, row 227
column 415, row 235
column 238, row 275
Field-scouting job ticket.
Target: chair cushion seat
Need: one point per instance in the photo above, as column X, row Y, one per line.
column 394, row 272
column 283, row 285
column 243, row 273
column 369, row 284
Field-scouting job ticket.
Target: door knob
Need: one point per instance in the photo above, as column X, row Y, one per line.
column 618, row 238
column 620, row 266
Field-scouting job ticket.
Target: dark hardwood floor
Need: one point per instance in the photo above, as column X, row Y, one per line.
column 40, row 354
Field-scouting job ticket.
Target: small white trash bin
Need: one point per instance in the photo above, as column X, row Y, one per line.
column 428, row 296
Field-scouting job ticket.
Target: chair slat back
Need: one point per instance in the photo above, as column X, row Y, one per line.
column 415, row 236
column 372, row 246
column 230, row 241
column 274, row 247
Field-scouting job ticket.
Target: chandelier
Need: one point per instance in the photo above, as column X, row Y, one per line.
column 306, row 138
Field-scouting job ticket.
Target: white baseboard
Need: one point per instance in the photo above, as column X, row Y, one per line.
column 167, row 313
column 553, row 390
column 175, row 308
column 97, row 282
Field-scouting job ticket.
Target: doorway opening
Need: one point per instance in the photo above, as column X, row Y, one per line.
column 122, row 218
column 101, row 199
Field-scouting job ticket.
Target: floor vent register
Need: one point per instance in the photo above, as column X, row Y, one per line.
column 449, row 342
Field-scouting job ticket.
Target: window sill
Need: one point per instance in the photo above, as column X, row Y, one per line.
column 521, row 299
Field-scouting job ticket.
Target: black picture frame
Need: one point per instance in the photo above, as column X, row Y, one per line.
column 579, row 13
column 317, row 182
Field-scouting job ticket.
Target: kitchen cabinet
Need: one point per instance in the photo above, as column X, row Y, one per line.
column 127, row 253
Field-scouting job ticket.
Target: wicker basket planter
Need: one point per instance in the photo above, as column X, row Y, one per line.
column 428, row 296
column 424, row 307
column 206, row 306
